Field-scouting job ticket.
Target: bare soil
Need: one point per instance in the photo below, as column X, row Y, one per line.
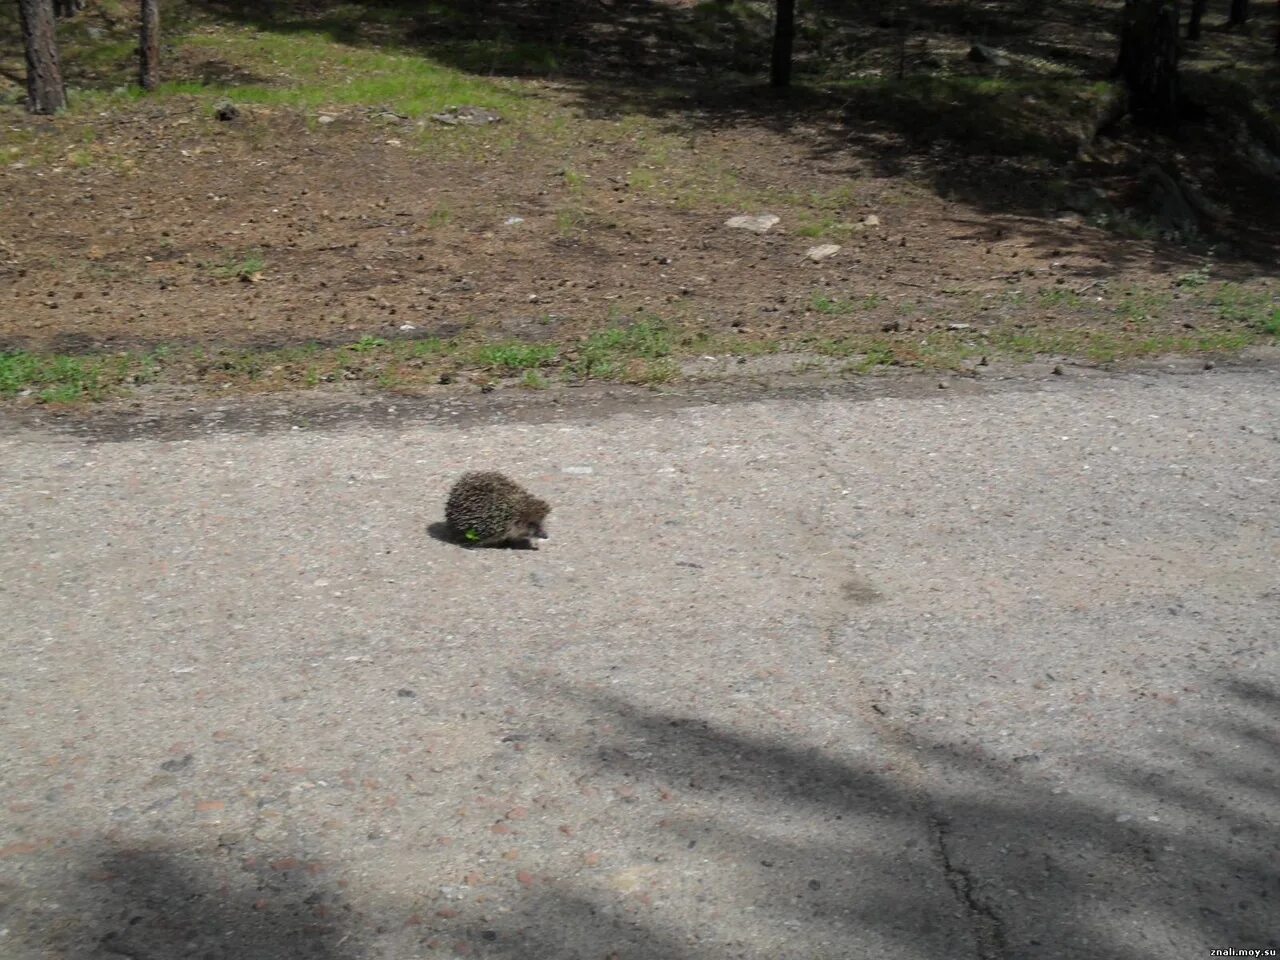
column 157, row 224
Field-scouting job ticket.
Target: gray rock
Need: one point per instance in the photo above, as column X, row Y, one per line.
column 822, row 251
column 756, row 223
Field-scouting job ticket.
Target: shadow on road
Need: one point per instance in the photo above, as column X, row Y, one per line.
column 1013, row 864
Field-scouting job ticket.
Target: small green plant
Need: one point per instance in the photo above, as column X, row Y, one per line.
column 605, row 354
column 821, row 303
column 1194, row 278
column 1059, row 297
column 1236, row 304
column 878, row 355
column 472, row 535
column 516, row 356
column 367, row 344
column 439, row 217
column 569, row 220
column 421, row 349
column 534, row 380
column 1271, row 323
column 61, row 379
column 248, row 268
column 1137, row 304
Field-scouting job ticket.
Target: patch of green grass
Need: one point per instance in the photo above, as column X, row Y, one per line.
column 534, row 380
column 571, row 220
column 1237, row 304
column 1270, row 323
column 246, row 364
column 17, row 372
column 249, row 267
column 877, row 355
column 62, row 379
column 608, row 353
column 1138, row 304
column 1194, row 278
column 515, row 356
column 309, row 70
column 651, row 371
column 835, row 347
column 821, row 303
column 1060, row 297
column 367, row 344
column 422, row 349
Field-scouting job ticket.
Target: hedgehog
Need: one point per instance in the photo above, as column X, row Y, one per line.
column 486, row 509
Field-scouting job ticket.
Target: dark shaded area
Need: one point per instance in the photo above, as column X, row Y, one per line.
column 443, row 533
column 1148, row 63
column 160, row 902
column 1017, row 868
column 1032, row 867
column 1037, row 132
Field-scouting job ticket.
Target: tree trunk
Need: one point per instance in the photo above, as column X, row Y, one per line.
column 1239, row 13
column 45, row 90
column 1148, row 62
column 784, row 33
column 67, row 8
column 1197, row 14
column 149, row 47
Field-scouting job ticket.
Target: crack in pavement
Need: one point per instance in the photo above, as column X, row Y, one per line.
column 985, row 923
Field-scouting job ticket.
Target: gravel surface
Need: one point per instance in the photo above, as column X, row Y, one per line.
column 972, row 674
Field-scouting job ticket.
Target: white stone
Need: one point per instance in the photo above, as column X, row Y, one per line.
column 822, row 251
column 758, row 223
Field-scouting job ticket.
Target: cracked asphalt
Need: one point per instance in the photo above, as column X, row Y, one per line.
column 982, row 673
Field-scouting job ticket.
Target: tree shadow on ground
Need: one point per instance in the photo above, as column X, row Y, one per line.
column 964, row 855
column 1037, row 868
column 881, row 93
column 157, row 901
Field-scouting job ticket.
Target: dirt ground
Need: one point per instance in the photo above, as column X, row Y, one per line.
column 157, row 224
column 348, row 227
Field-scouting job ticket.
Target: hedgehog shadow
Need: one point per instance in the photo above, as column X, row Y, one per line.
column 444, row 533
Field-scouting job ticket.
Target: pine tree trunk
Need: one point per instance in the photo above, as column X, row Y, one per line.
column 1239, row 13
column 1148, row 62
column 45, row 90
column 67, row 8
column 784, row 32
column 149, row 56
column 1197, row 14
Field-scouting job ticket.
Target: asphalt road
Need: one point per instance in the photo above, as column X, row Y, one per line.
column 984, row 674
